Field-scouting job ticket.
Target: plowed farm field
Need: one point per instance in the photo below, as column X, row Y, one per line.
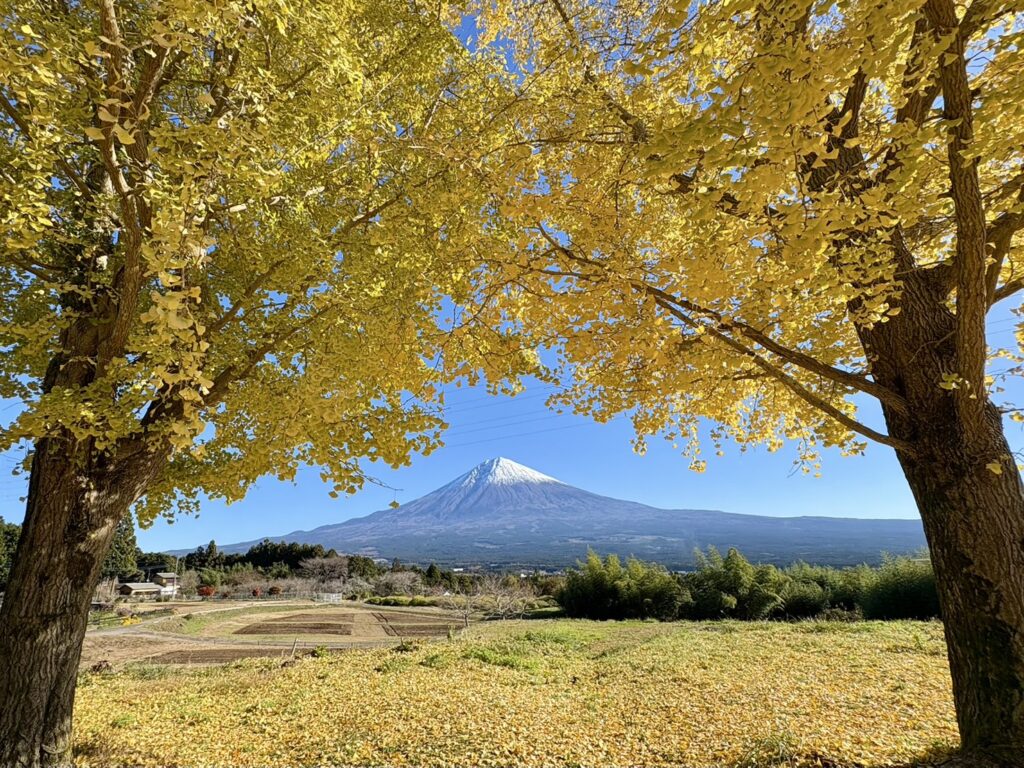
column 201, row 634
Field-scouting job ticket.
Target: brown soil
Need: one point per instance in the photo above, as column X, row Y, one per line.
column 408, row 617
column 411, row 625
column 295, row 628
column 418, row 630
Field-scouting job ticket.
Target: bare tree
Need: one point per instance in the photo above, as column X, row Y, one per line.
column 507, row 596
column 325, row 569
column 400, row 583
column 464, row 599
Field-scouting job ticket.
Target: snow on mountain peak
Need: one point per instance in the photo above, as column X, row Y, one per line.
column 502, row 471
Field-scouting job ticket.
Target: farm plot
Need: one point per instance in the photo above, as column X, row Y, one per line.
column 398, row 624
column 235, row 632
column 302, row 624
column 216, row 655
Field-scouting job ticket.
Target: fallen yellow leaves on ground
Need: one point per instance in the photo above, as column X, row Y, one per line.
column 542, row 693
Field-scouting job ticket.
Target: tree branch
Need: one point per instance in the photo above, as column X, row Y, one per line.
column 791, row 383
column 1007, row 289
column 800, row 359
column 1000, row 236
column 128, row 281
column 23, row 126
column 972, row 295
column 724, row 325
column 234, row 372
column 247, row 293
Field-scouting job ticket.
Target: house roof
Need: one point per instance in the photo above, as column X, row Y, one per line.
column 167, row 575
column 141, row 586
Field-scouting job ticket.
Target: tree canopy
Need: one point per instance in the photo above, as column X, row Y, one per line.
column 721, row 198
column 227, row 232
column 239, row 237
column 757, row 213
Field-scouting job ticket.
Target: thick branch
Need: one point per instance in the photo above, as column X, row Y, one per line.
column 791, row 383
column 800, row 359
column 972, row 297
column 977, row 17
column 981, row 13
column 1000, row 235
column 1007, row 289
column 128, row 281
column 724, row 325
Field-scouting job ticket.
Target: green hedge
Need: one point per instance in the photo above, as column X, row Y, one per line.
column 605, row 589
column 731, row 587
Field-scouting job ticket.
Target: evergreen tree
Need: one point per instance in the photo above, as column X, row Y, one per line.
column 433, row 575
column 9, row 534
column 121, row 558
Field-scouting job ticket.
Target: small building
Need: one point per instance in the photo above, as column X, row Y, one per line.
column 140, row 589
column 168, row 583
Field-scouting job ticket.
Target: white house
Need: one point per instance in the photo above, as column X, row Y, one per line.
column 168, row 583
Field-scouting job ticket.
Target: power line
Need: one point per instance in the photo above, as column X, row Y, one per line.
column 458, row 431
column 549, row 413
column 494, row 402
column 527, row 390
column 520, row 434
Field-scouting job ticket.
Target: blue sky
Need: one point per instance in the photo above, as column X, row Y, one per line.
column 596, row 457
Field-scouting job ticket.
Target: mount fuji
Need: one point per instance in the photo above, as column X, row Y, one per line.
column 501, row 513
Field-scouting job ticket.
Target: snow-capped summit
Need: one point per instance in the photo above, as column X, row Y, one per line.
column 502, row 471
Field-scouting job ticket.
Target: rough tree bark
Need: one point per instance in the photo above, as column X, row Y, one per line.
column 974, row 521
column 74, row 506
column 971, row 500
column 76, row 497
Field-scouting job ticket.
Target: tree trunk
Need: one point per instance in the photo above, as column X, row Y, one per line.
column 974, row 521
column 71, row 516
column 971, row 500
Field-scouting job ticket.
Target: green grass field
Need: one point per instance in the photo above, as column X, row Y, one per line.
column 546, row 692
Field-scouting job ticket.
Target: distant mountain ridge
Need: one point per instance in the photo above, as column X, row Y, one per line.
column 502, row 513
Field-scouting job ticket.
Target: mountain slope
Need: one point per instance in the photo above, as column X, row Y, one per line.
column 504, row 513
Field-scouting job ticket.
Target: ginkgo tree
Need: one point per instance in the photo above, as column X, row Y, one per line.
column 762, row 214
column 227, row 230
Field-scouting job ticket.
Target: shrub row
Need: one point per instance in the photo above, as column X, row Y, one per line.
column 730, row 586
column 402, row 600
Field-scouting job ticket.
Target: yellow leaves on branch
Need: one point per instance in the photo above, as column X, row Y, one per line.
column 256, row 208
column 761, row 170
column 263, row 208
